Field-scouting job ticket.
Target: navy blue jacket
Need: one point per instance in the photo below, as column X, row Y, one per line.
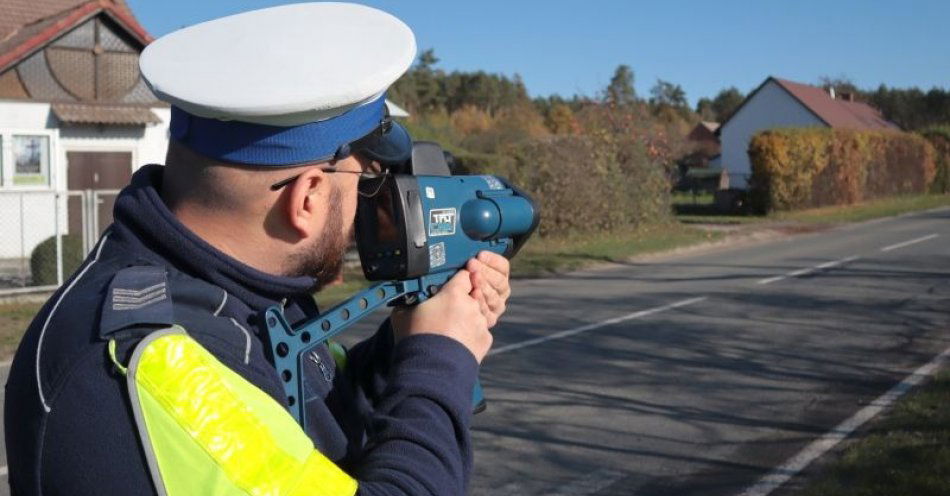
column 396, row 418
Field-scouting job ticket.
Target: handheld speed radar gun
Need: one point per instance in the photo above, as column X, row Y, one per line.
column 415, row 228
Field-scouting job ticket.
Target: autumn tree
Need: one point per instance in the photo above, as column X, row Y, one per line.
column 620, row 91
column 560, row 120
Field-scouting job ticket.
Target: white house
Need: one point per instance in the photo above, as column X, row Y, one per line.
column 76, row 118
column 780, row 103
column 74, row 115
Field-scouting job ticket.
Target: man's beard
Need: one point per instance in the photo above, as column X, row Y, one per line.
column 323, row 260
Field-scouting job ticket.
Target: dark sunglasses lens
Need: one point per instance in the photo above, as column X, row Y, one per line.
column 392, row 147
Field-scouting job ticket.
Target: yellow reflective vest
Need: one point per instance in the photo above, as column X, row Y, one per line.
column 208, row 431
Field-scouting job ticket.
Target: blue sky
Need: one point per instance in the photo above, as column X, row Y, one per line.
column 569, row 47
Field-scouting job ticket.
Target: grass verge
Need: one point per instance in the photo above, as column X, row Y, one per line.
column 14, row 319
column 868, row 210
column 905, row 453
column 706, row 213
column 545, row 256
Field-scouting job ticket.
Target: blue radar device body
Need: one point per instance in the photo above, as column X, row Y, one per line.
column 414, row 231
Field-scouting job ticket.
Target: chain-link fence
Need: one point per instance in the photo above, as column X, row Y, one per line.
column 45, row 235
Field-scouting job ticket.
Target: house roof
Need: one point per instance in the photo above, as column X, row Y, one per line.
column 834, row 112
column 82, row 113
column 704, row 131
column 28, row 25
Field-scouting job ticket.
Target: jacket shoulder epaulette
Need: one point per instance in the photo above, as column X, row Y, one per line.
column 137, row 298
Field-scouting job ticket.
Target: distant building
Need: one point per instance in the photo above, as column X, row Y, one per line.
column 75, row 114
column 704, row 145
column 780, row 103
column 704, row 132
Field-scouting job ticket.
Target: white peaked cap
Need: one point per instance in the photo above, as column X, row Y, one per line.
column 282, row 66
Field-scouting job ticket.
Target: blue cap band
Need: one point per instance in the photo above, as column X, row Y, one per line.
column 260, row 144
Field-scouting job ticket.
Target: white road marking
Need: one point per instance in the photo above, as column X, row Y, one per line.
column 781, row 474
column 808, row 270
column 597, row 325
column 5, row 364
column 3, row 471
column 770, row 280
column 911, row 242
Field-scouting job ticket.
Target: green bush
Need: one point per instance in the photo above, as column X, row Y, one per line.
column 815, row 167
column 43, row 259
column 586, row 185
column 939, row 137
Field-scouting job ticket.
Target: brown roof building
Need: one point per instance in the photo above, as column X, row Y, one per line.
column 836, row 110
column 71, row 51
column 780, row 103
column 75, row 114
column 704, row 141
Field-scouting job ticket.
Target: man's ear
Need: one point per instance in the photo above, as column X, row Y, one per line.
column 306, row 204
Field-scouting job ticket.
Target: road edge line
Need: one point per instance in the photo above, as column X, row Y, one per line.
column 796, row 464
column 914, row 241
column 808, row 270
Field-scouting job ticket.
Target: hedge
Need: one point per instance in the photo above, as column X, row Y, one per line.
column 939, row 137
column 43, row 259
column 583, row 184
column 814, row 167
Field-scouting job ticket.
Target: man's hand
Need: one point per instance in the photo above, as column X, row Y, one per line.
column 453, row 312
column 490, row 272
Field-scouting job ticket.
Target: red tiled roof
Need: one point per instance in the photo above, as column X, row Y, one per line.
column 26, row 25
column 836, row 112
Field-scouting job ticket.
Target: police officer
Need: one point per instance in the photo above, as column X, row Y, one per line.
column 146, row 373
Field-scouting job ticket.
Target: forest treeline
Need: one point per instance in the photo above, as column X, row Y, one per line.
column 616, row 148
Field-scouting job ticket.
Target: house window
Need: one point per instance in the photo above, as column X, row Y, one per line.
column 30, row 160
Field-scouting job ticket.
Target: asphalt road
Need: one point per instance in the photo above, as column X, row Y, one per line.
column 700, row 374
column 714, row 369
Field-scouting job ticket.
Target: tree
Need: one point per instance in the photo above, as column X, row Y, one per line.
column 667, row 94
column 911, row 108
column 427, row 81
column 726, row 102
column 704, row 107
column 841, row 84
column 620, row 90
column 427, row 60
column 560, row 119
